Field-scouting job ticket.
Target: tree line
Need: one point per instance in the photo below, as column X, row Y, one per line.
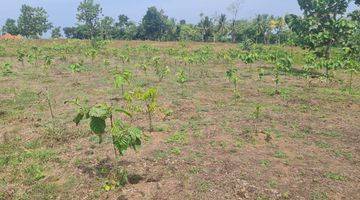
column 156, row 25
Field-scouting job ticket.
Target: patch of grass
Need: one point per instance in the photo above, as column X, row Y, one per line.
column 177, row 138
column 161, row 127
column 160, row 154
column 280, row 154
column 285, row 93
column 262, row 197
column 44, row 191
column 272, row 183
column 341, row 153
column 333, row 134
column 94, row 139
column 33, row 144
column 34, row 173
column 322, row 144
column 335, row 176
column 298, row 135
column 318, row 196
column 195, row 170
column 204, row 186
column 265, row 163
column 175, row 151
column 239, row 143
column 198, row 134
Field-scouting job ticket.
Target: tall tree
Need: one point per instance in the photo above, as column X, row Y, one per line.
column 56, row 32
column 89, row 14
column 234, row 8
column 79, row 32
column 10, row 27
column 221, row 28
column 205, row 26
column 189, row 33
column 153, row 24
column 262, row 24
column 33, row 21
column 322, row 26
column 107, row 27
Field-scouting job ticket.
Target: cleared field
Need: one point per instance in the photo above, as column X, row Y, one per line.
column 209, row 141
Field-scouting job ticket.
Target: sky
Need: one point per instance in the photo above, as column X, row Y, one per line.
column 63, row 12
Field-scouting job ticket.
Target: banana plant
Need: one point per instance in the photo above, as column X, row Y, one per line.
column 124, row 135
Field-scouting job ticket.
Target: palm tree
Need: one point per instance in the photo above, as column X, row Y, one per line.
column 221, row 28
column 205, row 26
column 262, row 28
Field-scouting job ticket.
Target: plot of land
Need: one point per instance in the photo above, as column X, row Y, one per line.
column 207, row 143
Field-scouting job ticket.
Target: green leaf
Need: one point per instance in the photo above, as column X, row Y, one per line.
column 125, row 136
column 123, row 111
column 78, row 118
column 135, row 134
column 119, row 81
column 100, row 111
column 97, row 125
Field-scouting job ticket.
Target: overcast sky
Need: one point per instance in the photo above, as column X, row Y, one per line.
column 63, row 12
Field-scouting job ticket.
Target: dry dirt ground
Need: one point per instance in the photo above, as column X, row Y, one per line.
column 304, row 144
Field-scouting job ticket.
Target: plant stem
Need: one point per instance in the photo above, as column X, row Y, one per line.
column 49, row 104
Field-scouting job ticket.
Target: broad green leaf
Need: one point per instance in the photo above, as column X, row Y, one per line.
column 100, row 111
column 97, row 125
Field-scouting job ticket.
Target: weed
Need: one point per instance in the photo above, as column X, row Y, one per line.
column 335, row 176
column 322, row 144
column 280, row 154
column 265, row 163
column 175, row 151
column 178, row 138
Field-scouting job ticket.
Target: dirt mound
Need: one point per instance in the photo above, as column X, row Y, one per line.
column 8, row 36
